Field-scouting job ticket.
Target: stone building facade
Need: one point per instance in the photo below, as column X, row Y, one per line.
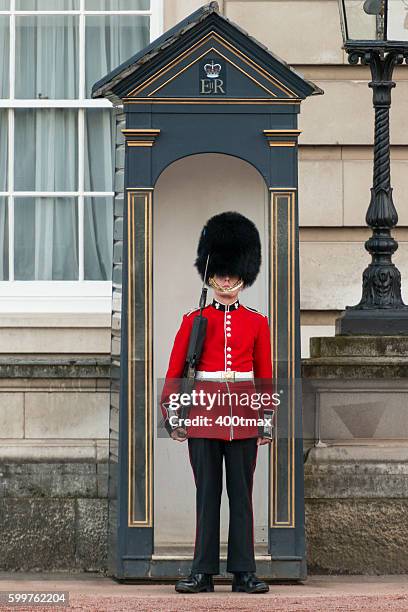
column 54, row 364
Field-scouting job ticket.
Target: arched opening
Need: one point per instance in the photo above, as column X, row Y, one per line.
column 187, row 193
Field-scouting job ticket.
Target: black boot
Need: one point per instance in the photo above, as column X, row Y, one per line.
column 195, row 583
column 248, row 582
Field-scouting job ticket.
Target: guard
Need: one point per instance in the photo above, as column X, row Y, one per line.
column 235, row 363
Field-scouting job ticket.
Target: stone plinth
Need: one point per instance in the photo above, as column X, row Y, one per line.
column 355, row 391
column 54, row 432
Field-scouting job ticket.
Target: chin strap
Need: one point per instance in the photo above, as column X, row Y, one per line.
column 215, row 285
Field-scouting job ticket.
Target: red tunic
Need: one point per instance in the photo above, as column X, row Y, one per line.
column 237, row 339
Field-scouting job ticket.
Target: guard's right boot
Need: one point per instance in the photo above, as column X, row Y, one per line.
column 195, row 583
column 248, row 582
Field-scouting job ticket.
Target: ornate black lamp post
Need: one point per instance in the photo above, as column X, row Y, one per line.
column 375, row 33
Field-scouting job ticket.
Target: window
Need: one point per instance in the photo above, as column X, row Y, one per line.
column 56, row 144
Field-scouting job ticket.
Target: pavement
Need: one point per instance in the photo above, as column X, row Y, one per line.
column 92, row 592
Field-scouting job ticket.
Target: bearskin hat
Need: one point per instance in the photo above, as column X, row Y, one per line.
column 234, row 246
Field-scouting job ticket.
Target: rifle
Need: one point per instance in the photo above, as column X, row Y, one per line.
column 195, row 347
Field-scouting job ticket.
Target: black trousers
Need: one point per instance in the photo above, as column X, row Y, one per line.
column 206, row 458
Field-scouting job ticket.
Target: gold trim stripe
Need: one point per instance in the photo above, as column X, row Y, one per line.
column 275, row 338
column 130, row 258
column 293, row 332
column 290, row 194
column 231, row 48
column 282, row 144
column 140, row 188
column 148, row 412
column 256, row 67
column 211, row 101
column 273, row 502
column 148, row 356
column 198, row 59
column 140, row 137
column 141, row 131
column 142, row 143
column 282, row 132
column 282, row 188
column 289, row 137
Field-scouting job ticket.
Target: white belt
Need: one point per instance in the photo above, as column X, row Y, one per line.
column 228, row 375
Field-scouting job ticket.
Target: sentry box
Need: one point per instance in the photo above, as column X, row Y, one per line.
column 203, row 87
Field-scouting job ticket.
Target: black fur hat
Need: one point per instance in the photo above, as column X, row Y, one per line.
column 234, row 246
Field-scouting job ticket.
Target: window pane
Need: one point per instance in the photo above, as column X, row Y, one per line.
column 4, row 56
column 4, row 5
column 47, row 57
column 4, row 238
column 45, row 239
column 99, row 150
column 110, row 40
column 117, row 5
column 98, row 238
column 47, row 5
column 3, row 150
column 46, row 150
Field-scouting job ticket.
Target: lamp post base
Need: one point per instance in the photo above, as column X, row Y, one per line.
column 376, row 322
column 381, row 310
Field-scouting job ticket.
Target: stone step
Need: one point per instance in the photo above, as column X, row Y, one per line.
column 366, row 347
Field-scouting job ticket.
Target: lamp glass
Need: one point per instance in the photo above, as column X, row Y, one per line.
column 374, row 20
column 397, row 20
column 357, row 23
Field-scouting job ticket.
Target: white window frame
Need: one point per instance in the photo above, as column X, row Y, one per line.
column 59, row 296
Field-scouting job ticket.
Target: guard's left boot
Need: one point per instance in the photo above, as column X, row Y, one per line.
column 248, row 582
column 196, row 582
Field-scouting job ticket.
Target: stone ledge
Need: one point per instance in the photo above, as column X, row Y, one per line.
column 69, row 385
column 53, row 480
column 362, row 347
column 357, row 471
column 55, row 340
column 357, row 357
column 54, row 367
column 54, row 319
column 375, row 451
column 355, row 368
column 48, row 450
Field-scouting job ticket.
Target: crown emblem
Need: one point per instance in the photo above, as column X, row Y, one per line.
column 212, row 70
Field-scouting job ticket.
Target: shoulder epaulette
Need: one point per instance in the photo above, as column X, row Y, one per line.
column 254, row 310
column 191, row 311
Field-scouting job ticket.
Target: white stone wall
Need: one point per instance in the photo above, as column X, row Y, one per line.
column 52, row 333
column 52, row 420
column 335, row 149
column 334, row 182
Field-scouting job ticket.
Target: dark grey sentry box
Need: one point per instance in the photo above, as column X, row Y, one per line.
column 205, row 86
